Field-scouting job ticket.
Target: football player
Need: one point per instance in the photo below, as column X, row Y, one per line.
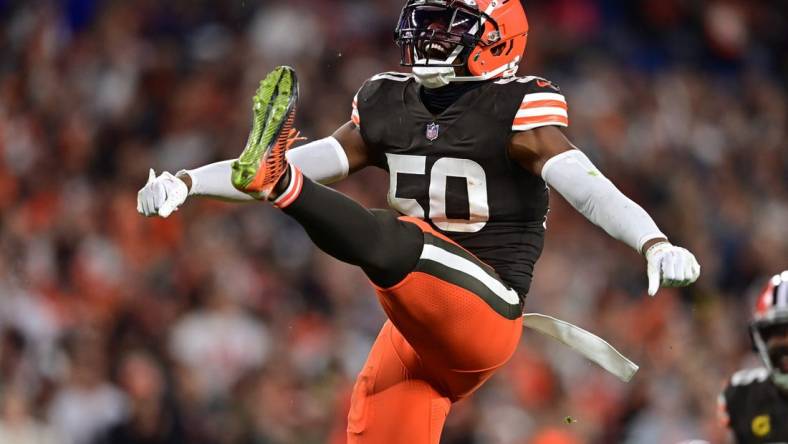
column 469, row 148
column 754, row 405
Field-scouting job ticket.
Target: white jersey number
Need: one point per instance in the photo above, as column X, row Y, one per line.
column 446, row 167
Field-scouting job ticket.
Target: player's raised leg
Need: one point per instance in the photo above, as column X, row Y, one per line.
column 386, row 248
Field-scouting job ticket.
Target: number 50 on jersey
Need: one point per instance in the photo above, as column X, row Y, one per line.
column 466, row 211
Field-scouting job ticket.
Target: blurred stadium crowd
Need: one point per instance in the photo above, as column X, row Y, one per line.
column 223, row 324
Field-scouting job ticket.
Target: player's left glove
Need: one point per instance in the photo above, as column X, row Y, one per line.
column 670, row 266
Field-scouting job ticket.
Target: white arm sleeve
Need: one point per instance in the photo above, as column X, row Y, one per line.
column 214, row 181
column 577, row 179
column 323, row 161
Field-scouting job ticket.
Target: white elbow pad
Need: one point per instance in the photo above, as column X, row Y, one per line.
column 323, row 160
column 577, row 179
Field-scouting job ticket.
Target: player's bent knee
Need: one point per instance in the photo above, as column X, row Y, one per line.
column 397, row 251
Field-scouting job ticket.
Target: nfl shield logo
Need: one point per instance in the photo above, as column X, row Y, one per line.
column 432, row 131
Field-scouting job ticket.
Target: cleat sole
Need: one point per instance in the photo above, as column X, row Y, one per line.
column 273, row 109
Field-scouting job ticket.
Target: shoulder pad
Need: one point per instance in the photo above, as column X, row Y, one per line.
column 378, row 91
column 749, row 376
column 380, row 82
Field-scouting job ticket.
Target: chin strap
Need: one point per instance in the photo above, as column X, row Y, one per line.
column 436, row 76
column 433, row 78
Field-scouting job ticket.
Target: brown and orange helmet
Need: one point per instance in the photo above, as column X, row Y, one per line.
column 485, row 37
column 770, row 318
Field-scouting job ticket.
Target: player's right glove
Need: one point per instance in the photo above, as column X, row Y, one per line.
column 162, row 195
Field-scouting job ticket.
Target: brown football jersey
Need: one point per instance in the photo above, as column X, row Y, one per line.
column 453, row 169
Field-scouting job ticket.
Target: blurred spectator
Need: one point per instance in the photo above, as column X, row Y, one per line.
column 219, row 344
column 153, row 416
column 16, row 369
column 17, row 424
column 86, row 404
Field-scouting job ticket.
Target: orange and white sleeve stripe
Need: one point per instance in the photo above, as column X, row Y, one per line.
column 541, row 109
column 354, row 116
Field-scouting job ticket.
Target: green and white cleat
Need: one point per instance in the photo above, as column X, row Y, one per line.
column 262, row 163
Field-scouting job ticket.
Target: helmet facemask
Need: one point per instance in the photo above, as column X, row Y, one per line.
column 774, row 356
column 437, row 36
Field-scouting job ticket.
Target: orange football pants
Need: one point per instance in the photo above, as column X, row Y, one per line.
column 442, row 341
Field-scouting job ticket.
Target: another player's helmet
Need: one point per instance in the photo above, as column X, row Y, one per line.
column 486, row 37
column 771, row 317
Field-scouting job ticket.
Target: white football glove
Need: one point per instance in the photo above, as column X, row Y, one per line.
column 670, row 266
column 162, row 195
